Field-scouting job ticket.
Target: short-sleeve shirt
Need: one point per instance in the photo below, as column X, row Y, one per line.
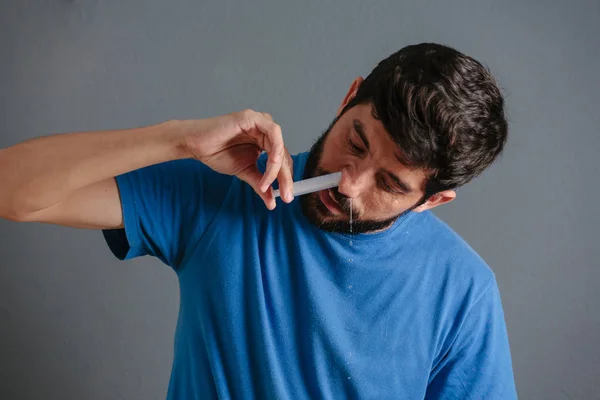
column 272, row 307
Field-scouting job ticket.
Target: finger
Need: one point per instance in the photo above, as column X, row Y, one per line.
column 252, row 177
column 267, row 135
column 285, row 179
column 267, row 116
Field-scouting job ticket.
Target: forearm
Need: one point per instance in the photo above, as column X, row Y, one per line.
column 41, row 172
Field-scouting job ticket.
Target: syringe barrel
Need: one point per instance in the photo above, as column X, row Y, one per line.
column 314, row 184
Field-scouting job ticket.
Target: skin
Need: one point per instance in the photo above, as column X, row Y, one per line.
column 358, row 145
column 68, row 179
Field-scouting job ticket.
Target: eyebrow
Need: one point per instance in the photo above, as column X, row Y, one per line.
column 359, row 128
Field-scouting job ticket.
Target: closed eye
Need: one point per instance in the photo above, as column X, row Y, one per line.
column 383, row 183
column 355, row 148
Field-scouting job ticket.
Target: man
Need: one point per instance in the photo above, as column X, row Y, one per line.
column 285, row 302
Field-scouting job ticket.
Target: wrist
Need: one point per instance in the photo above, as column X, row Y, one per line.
column 175, row 135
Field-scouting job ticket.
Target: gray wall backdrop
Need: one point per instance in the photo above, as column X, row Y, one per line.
column 75, row 323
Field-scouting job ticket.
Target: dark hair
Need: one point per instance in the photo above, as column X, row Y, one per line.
column 442, row 108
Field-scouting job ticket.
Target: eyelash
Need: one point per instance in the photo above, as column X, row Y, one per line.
column 383, row 183
column 358, row 151
column 354, row 148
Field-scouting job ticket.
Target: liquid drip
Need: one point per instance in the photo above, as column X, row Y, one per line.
column 350, row 242
column 350, row 218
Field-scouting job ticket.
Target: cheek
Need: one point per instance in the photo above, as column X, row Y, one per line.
column 332, row 157
column 374, row 205
column 383, row 206
column 336, row 147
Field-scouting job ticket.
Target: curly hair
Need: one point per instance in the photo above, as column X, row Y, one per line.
column 442, row 108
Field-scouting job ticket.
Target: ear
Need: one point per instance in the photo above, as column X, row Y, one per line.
column 443, row 197
column 351, row 93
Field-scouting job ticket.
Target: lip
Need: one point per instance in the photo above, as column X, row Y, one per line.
column 328, row 201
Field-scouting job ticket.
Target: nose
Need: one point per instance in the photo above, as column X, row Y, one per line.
column 355, row 181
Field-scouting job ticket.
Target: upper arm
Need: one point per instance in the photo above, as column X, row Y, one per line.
column 478, row 364
column 96, row 206
column 166, row 208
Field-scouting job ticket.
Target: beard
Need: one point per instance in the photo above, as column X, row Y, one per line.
column 318, row 214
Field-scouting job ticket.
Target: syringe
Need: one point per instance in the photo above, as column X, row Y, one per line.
column 314, row 184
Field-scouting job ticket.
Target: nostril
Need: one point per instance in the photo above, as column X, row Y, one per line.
column 341, row 199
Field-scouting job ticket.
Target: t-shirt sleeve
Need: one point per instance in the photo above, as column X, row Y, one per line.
column 166, row 209
column 478, row 365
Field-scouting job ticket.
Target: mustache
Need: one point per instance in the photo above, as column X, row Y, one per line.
column 344, row 202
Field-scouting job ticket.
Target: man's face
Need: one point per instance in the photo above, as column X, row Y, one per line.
column 374, row 180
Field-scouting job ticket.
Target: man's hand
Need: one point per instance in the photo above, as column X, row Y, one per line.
column 231, row 144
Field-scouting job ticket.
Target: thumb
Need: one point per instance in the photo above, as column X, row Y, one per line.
column 253, row 176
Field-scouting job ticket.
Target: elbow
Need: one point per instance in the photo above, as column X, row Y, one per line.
column 12, row 209
column 11, row 215
column 17, row 202
column 20, row 217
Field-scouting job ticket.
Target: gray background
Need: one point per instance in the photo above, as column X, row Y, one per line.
column 75, row 323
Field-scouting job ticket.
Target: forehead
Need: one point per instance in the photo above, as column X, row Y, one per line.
column 385, row 152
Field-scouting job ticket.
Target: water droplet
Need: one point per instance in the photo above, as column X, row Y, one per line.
column 348, row 377
column 350, row 287
column 350, row 259
column 350, row 215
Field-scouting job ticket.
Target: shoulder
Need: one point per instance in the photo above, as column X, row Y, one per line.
column 457, row 262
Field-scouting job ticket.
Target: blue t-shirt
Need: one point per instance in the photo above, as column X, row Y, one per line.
column 274, row 308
